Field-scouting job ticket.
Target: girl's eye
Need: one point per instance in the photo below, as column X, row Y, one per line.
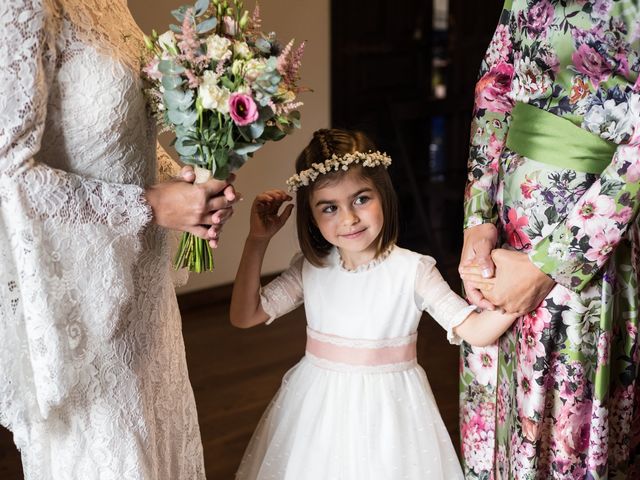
column 362, row 199
column 329, row 209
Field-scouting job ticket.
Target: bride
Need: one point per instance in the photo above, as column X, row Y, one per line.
column 93, row 377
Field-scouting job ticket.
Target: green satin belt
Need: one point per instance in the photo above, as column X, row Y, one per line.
column 544, row 137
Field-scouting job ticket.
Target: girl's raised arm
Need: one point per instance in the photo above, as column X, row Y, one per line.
column 246, row 307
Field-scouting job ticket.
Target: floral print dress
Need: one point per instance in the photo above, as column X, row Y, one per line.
column 559, row 397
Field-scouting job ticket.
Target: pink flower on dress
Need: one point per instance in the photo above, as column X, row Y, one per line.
column 243, row 109
column 500, row 46
column 593, row 211
column 591, row 63
column 494, row 151
column 539, row 17
column 516, row 237
column 483, row 364
column 602, row 244
column 530, row 346
column 492, row 90
column 528, row 187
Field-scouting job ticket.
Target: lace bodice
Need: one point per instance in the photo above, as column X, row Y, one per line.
column 383, row 300
column 86, row 296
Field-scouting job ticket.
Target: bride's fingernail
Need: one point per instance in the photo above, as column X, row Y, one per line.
column 486, row 273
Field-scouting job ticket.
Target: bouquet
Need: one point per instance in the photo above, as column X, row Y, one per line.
column 224, row 88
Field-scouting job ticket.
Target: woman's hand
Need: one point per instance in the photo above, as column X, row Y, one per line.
column 265, row 220
column 479, row 241
column 519, row 288
column 199, row 209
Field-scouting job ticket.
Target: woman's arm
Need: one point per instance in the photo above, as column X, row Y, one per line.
column 491, row 116
column 246, row 305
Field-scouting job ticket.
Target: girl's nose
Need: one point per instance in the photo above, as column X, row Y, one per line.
column 349, row 218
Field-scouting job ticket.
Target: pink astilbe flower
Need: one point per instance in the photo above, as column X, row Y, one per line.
column 189, row 44
column 255, row 22
column 289, row 62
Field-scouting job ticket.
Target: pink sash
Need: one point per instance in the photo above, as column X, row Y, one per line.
column 397, row 353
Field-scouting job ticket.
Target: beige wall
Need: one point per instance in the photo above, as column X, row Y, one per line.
column 300, row 19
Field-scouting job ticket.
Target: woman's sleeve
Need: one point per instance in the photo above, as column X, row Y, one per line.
column 68, row 244
column 40, row 192
column 576, row 249
column 285, row 292
column 490, row 121
column 434, row 296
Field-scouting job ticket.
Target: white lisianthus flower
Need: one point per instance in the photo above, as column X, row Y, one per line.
column 241, row 49
column 254, row 68
column 237, row 67
column 167, row 41
column 211, row 95
column 217, row 46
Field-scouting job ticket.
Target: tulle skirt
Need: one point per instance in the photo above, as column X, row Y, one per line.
column 351, row 424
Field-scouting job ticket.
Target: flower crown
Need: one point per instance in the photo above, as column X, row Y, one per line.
column 335, row 163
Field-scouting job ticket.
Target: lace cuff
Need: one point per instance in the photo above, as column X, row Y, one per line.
column 433, row 295
column 285, row 292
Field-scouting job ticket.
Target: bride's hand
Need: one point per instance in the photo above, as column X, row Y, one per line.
column 479, row 241
column 199, row 209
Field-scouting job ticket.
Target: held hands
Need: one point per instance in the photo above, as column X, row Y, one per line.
column 200, row 209
column 265, row 220
column 479, row 241
column 519, row 286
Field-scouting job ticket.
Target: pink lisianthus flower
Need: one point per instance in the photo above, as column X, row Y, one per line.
column 243, row 109
column 492, row 90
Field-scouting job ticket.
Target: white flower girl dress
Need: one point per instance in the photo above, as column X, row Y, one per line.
column 357, row 406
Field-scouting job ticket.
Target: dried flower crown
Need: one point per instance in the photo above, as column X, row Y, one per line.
column 335, row 163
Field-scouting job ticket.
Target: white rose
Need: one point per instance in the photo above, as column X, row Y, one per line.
column 167, row 41
column 253, row 69
column 217, row 46
column 212, row 96
column 241, row 49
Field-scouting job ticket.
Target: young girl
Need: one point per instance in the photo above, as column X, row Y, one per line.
column 357, row 406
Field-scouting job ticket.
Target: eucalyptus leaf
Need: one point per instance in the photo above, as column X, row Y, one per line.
column 207, row 25
column 171, row 82
column 294, row 117
column 201, row 7
column 167, row 67
column 245, row 148
column 179, row 13
column 236, row 161
column 263, row 45
column 179, row 117
column 178, row 99
column 222, row 172
column 221, row 157
column 175, row 28
column 256, row 128
column 183, row 149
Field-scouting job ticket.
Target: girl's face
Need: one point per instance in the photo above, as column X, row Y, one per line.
column 348, row 213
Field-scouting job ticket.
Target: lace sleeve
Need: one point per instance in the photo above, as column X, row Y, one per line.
column 285, row 292
column 27, row 63
column 435, row 296
column 68, row 243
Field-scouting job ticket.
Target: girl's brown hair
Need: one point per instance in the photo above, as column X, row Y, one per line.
column 323, row 145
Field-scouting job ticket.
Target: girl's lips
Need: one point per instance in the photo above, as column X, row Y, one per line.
column 353, row 235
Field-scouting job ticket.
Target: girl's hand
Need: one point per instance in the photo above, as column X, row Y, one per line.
column 265, row 220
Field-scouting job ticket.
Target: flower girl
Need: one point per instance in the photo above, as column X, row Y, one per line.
column 357, row 406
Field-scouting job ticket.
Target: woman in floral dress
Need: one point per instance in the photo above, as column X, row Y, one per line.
column 554, row 179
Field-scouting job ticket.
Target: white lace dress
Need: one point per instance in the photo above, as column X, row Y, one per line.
column 357, row 406
column 93, row 378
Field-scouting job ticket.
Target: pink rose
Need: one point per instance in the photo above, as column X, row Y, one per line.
column 243, row 109
column 539, row 18
column 492, row 90
column 590, row 62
